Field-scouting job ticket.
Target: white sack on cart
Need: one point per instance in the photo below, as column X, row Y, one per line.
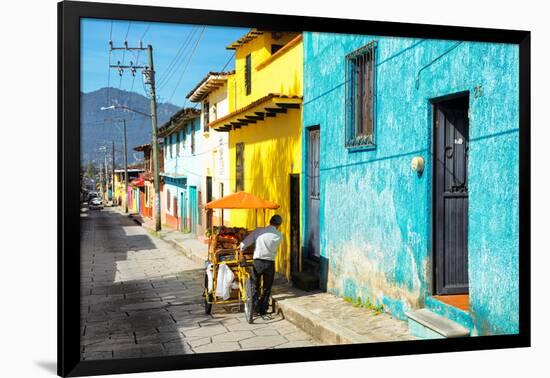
column 223, row 285
column 209, row 271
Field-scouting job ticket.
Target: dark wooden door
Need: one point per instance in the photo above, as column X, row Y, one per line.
column 294, row 221
column 313, row 194
column 451, row 196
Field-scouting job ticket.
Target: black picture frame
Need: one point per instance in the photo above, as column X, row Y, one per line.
column 69, row 15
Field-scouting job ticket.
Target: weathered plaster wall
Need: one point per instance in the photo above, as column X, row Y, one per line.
column 376, row 212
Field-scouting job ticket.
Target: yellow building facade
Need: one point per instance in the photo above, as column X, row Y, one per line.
column 264, row 127
column 120, row 192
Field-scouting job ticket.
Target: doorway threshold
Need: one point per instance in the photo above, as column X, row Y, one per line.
column 460, row 301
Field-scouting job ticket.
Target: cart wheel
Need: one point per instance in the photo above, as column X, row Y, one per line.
column 248, row 303
column 207, row 297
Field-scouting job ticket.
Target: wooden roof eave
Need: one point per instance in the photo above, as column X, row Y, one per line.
column 272, row 106
column 207, row 88
column 252, row 34
column 176, row 124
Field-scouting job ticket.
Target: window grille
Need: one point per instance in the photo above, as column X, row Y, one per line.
column 360, row 96
column 248, row 74
column 239, row 167
column 206, row 112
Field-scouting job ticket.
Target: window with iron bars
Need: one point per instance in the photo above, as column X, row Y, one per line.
column 360, row 104
column 239, row 167
column 206, row 112
column 248, row 74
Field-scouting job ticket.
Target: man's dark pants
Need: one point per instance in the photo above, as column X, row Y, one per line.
column 265, row 269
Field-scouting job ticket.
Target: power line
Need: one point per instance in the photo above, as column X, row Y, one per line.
column 124, row 51
column 128, row 31
column 137, row 58
column 171, row 69
column 178, row 58
column 109, row 70
column 228, row 61
column 145, row 32
column 187, row 65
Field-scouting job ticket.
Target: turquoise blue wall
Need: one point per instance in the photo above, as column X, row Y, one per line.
column 376, row 212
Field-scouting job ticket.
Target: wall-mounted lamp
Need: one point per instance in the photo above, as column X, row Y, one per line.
column 417, row 164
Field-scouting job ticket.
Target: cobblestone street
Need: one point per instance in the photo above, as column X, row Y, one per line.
column 141, row 297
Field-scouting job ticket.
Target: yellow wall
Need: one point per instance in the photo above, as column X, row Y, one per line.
column 271, row 154
column 119, row 189
column 272, row 148
column 284, row 75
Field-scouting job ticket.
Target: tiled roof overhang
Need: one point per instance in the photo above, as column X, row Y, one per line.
column 252, row 34
column 143, row 147
column 207, row 85
column 268, row 106
column 177, row 120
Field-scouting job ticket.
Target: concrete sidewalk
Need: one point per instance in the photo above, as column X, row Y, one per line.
column 328, row 318
column 331, row 320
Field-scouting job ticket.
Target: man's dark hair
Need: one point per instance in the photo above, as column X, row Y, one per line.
column 276, row 220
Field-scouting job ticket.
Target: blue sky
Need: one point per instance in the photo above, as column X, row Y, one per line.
column 210, row 55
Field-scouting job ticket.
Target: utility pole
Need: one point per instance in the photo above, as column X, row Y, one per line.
column 113, row 174
column 106, row 177
column 154, row 145
column 103, row 180
column 125, row 166
column 149, row 76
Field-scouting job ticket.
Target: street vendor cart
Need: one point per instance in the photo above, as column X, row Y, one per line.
column 227, row 279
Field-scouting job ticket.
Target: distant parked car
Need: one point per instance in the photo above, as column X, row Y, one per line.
column 96, row 203
column 91, row 195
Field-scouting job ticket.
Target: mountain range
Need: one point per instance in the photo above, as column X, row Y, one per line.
column 101, row 127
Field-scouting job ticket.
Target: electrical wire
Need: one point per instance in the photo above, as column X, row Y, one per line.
column 177, row 61
column 145, row 32
column 137, row 55
column 187, row 65
column 109, row 67
column 124, row 51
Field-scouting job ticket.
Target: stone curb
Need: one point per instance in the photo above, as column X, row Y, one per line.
column 188, row 252
column 324, row 331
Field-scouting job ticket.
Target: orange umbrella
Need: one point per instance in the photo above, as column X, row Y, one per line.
column 241, row 200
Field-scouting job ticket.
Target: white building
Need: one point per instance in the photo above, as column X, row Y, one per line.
column 211, row 93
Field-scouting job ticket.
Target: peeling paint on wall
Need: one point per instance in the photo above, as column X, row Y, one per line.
column 376, row 212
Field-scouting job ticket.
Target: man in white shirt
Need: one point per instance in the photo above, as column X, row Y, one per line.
column 267, row 241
